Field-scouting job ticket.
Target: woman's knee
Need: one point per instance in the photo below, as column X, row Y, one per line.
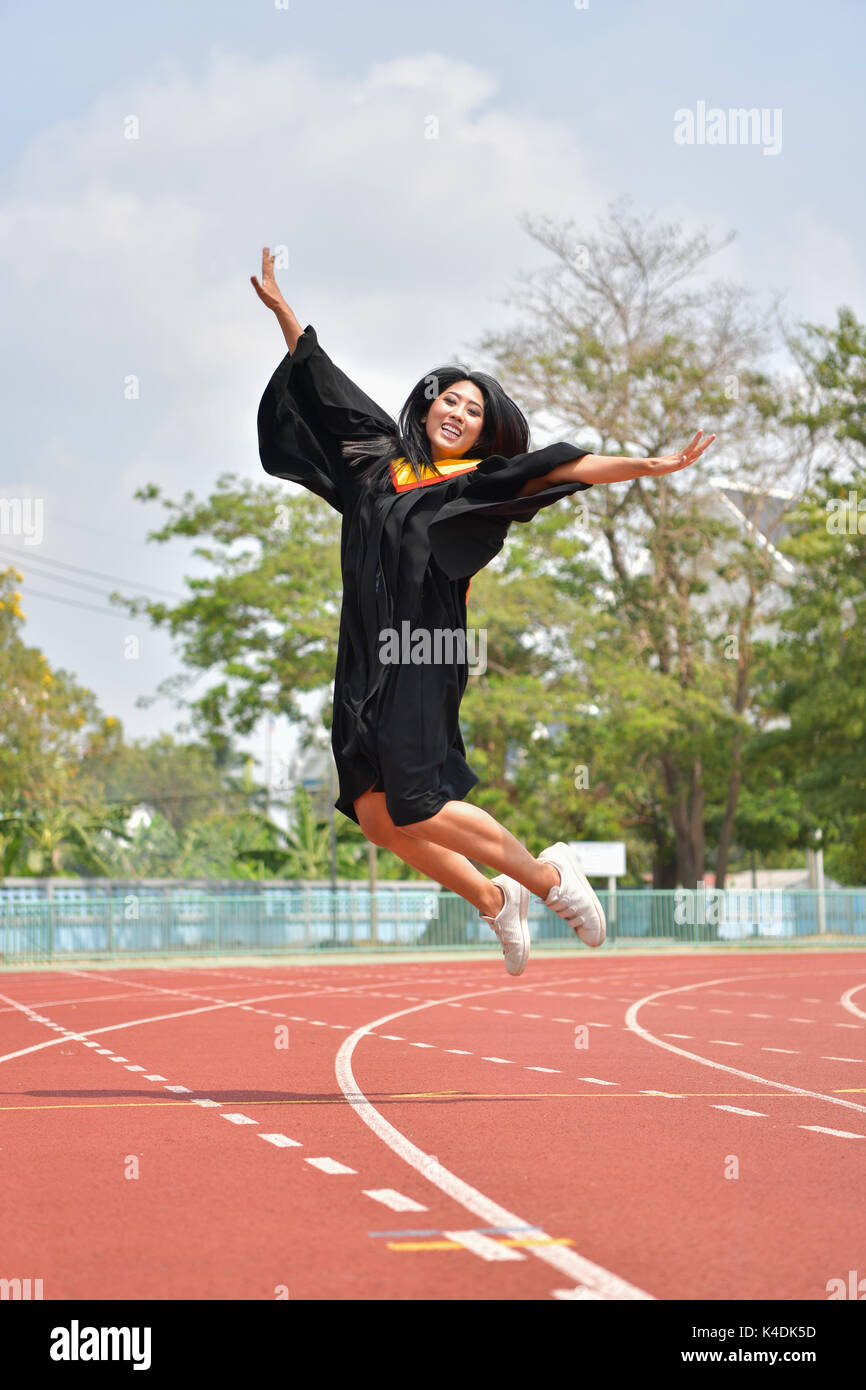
column 374, row 819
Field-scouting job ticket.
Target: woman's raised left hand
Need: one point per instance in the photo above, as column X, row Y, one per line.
column 672, row 463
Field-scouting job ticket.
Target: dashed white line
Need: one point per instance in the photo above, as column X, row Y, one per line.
column 329, row 1165
column 237, row 1119
column 415, row 1044
column 843, row 1059
column 460, row 1051
column 281, row 1141
column 791, row 1050
column 737, row 1110
column 178, row 1088
column 498, row 1059
column 154, row 1076
column 552, row 1070
column 395, row 1200
column 839, row 1133
column 596, row 1081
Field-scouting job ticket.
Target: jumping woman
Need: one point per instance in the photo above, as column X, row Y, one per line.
column 426, row 504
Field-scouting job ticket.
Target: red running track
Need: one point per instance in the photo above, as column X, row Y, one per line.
column 665, row 1127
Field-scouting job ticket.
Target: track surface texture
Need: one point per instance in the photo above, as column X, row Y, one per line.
column 677, row 1127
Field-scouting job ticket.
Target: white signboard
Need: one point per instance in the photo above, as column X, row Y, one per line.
column 600, row 858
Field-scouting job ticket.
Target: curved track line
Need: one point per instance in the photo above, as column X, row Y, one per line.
column 632, row 1023
column 582, row 1271
column 848, row 1003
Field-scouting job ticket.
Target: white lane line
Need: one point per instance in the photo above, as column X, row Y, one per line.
column 792, row 1050
column 395, row 1200
column 807, row 1000
column 847, row 1002
column 692, row 1007
column 721, row 1011
column 141, row 1022
column 206, row 1102
column 281, row 1141
column 460, row 1051
column 154, row 1076
column 105, row 1051
column 801, row 1020
column 132, row 1067
column 840, row 1133
column 118, row 1059
column 685, row 1037
column 91, row 1044
column 722, row 1042
column 317, row 1023
column 669, row 1095
column 498, row 1059
column 422, row 1045
column 329, row 1165
column 568, row 1020
column 631, row 1022
column 554, row 1071
column 178, row 1088
column 847, row 1025
column 843, row 1059
column 759, row 1015
column 737, row 1110
column 597, row 1082
column 556, row 1020
column 482, row 1245
column 391, row 1037
column 237, row 1119
column 574, row 1266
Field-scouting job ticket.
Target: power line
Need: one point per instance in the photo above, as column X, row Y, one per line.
column 74, row 603
column 94, row 574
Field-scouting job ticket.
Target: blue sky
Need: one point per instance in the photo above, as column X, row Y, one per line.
column 301, row 125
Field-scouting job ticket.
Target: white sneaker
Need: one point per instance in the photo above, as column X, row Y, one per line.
column 512, row 924
column 572, row 898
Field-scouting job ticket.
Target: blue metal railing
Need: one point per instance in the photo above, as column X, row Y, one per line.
column 53, row 920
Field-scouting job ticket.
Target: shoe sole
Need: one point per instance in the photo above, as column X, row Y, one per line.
column 524, row 927
column 524, row 914
column 569, row 855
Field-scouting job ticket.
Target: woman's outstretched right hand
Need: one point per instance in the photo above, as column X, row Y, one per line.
column 268, row 291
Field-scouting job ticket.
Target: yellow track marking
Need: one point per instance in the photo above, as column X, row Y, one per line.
column 453, row 1244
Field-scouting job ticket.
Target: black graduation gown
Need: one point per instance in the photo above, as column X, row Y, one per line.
column 406, row 556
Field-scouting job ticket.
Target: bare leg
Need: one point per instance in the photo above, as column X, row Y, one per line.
column 446, row 864
column 475, row 832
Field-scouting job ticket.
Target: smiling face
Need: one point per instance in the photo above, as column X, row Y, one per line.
column 455, row 421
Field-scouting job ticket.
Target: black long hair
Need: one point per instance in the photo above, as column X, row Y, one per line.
column 505, row 430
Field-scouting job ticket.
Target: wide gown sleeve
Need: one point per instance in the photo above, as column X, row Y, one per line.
column 471, row 528
column 309, row 408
